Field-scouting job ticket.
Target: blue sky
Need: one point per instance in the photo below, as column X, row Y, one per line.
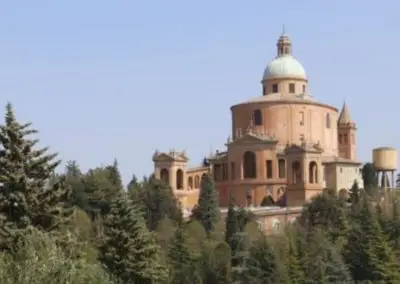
column 105, row 79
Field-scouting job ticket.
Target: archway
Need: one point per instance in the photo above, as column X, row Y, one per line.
column 179, row 179
column 164, row 175
column 249, row 165
column 196, row 182
column 296, row 172
column 190, row 182
column 313, row 172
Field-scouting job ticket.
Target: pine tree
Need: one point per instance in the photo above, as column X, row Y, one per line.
column 207, row 212
column 261, row 265
column 183, row 268
column 26, row 195
column 115, row 175
column 129, row 250
column 367, row 252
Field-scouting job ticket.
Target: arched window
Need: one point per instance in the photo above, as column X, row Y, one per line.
column 164, row 176
column 190, row 182
column 179, row 179
column 196, row 182
column 249, row 165
column 313, row 172
column 328, row 120
column 296, row 172
column 257, row 117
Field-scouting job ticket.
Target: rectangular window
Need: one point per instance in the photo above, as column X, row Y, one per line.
column 224, row 171
column 291, row 88
column 282, row 168
column 217, row 172
column 340, row 139
column 269, row 168
column 275, row 88
column 233, row 174
column 257, row 117
column 345, row 138
column 302, row 118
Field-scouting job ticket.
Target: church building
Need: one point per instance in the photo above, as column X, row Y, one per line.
column 285, row 146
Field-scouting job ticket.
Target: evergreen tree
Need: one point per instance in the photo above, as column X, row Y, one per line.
column 115, row 175
column 367, row 252
column 157, row 202
column 261, row 265
column 293, row 259
column 322, row 262
column 222, row 256
column 370, row 178
column 355, row 193
column 129, row 250
column 73, row 177
column 327, row 212
column 207, row 212
column 26, row 197
column 231, row 222
column 183, row 268
column 240, row 253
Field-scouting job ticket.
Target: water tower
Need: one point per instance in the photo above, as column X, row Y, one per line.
column 385, row 161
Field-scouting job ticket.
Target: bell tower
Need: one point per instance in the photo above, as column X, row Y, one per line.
column 346, row 134
column 171, row 168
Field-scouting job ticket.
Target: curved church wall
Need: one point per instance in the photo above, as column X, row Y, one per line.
column 290, row 122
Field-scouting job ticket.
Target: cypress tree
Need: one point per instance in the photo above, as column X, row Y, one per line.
column 129, row 250
column 207, row 211
column 183, row 268
column 231, row 222
column 26, row 195
column 240, row 253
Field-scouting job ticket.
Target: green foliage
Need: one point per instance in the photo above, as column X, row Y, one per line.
column 207, row 211
column 36, row 259
column 231, row 222
column 261, row 265
column 367, row 252
column 327, row 212
column 370, row 177
column 182, row 263
column 156, row 201
column 130, row 251
column 26, row 197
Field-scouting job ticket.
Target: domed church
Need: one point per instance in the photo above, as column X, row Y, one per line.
column 285, row 146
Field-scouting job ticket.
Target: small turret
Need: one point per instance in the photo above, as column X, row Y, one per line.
column 346, row 134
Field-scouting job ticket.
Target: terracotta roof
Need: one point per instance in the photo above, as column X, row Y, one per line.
column 344, row 117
